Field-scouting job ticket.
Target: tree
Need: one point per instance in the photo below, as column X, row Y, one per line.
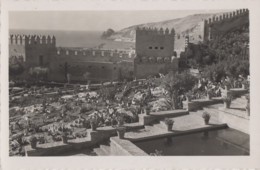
column 108, row 93
column 39, row 73
column 224, row 68
column 16, row 69
column 175, row 83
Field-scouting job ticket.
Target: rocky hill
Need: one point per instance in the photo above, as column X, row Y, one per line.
column 181, row 26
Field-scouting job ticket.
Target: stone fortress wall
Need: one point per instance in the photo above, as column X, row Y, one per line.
column 218, row 25
column 154, row 52
column 35, row 50
column 154, row 43
column 41, row 51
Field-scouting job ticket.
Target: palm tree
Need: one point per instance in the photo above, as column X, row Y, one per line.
column 174, row 83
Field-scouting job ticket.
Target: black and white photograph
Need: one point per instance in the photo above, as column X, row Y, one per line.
column 138, row 83
column 130, row 85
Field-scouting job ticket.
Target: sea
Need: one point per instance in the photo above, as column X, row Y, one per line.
column 81, row 39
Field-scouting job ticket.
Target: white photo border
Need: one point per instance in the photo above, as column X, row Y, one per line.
column 126, row 162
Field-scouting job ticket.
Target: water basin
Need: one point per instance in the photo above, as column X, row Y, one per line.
column 220, row 142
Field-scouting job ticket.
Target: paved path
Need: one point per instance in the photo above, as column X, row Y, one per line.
column 192, row 123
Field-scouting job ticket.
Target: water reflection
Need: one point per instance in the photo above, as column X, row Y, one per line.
column 221, row 142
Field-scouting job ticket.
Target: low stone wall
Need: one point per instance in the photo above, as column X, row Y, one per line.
column 234, row 120
column 93, row 138
column 57, row 148
column 122, row 147
column 238, row 92
column 156, row 116
column 200, row 103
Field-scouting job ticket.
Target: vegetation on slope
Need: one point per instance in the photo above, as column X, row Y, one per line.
column 224, row 56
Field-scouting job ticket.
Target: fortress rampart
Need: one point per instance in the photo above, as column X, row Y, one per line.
column 102, row 55
column 41, row 51
column 226, row 16
column 154, row 52
column 32, row 40
column 151, row 42
column 218, row 25
column 154, row 31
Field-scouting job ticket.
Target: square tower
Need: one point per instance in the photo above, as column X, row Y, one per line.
column 154, row 43
column 154, row 52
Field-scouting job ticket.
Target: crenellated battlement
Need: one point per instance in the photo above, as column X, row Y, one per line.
column 32, row 40
column 218, row 25
column 226, row 16
column 154, row 31
column 92, row 53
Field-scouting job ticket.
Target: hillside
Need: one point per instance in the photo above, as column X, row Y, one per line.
column 181, row 26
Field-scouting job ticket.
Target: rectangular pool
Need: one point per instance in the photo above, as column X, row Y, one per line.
column 220, row 142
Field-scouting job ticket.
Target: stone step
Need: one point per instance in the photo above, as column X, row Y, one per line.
column 100, row 152
column 240, row 100
column 105, row 148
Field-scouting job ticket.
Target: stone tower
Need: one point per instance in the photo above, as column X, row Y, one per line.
column 154, row 52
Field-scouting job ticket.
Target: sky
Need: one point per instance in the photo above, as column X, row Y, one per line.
column 91, row 20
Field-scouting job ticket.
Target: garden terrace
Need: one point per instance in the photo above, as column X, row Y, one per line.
column 183, row 125
column 200, row 103
column 48, row 114
column 92, row 139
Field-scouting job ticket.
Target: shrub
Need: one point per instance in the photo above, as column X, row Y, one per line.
column 108, row 93
column 176, row 83
column 84, row 109
column 205, row 115
column 33, row 139
column 168, row 121
column 228, row 98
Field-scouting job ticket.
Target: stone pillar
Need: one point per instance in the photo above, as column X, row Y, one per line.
column 185, row 105
column 145, row 119
column 94, row 136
